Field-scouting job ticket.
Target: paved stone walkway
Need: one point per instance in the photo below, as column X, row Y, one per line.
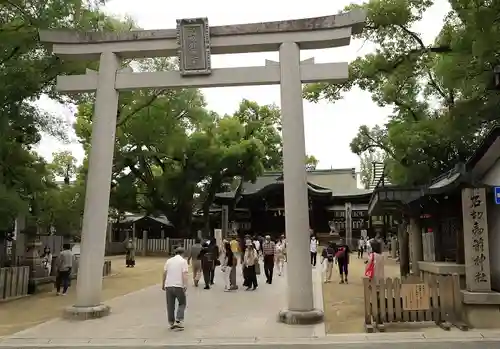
column 211, row 315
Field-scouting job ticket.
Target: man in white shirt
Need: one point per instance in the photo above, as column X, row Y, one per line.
column 313, row 248
column 175, row 280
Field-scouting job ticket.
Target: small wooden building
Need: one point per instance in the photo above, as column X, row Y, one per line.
column 452, row 226
column 133, row 225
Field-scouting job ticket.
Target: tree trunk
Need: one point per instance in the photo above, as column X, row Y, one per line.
column 209, row 199
column 404, row 252
column 182, row 218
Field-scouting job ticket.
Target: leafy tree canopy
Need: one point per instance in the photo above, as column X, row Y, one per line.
column 172, row 154
column 27, row 71
column 440, row 93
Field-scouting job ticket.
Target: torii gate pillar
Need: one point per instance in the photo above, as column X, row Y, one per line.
column 194, row 41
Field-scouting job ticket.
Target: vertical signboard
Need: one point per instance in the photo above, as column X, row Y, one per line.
column 193, row 38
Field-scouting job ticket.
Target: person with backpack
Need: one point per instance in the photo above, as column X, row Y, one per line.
column 207, row 263
column 328, row 258
column 342, row 256
column 215, row 255
column 195, row 259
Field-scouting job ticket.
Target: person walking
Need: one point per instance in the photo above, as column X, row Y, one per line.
column 229, row 268
column 361, row 247
column 257, row 245
column 342, row 256
column 64, row 265
column 279, row 256
column 268, row 248
column 375, row 269
column 313, row 248
column 247, row 241
column 174, row 283
column 47, row 260
column 235, row 247
column 283, row 243
column 207, row 264
column 216, row 261
column 194, row 259
column 130, row 253
column 328, row 258
column 250, row 259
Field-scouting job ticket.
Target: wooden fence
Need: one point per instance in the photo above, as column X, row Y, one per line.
column 413, row 300
column 167, row 245
column 106, row 268
column 14, row 282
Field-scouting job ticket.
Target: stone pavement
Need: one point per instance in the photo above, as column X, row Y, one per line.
column 210, row 315
column 217, row 319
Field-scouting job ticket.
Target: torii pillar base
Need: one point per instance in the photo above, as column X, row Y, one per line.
column 86, row 313
column 291, row 317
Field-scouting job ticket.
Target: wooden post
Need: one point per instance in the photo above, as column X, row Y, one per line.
column 416, row 239
column 404, row 255
column 394, row 247
column 225, row 220
column 144, row 242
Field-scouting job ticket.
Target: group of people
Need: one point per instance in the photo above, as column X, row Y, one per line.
column 205, row 256
column 340, row 253
column 334, row 253
column 63, row 266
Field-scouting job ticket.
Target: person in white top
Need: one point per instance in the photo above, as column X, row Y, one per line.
column 283, row 243
column 313, row 248
column 256, row 243
column 361, row 247
column 174, row 283
column 279, row 255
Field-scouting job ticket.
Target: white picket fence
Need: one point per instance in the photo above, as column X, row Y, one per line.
column 166, row 245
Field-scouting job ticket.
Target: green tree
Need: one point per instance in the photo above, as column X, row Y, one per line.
column 60, row 208
column 232, row 153
column 263, row 122
column 64, row 165
column 28, row 70
column 159, row 148
column 311, row 162
column 440, row 93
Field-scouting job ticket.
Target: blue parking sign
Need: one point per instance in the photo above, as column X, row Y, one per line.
column 497, row 195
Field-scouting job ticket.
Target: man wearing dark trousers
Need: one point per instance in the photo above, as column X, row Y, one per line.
column 207, row 264
column 342, row 256
column 268, row 248
column 64, row 266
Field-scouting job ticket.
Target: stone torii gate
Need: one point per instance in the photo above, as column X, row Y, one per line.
column 193, row 41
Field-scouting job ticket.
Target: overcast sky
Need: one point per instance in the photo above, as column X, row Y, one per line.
column 329, row 128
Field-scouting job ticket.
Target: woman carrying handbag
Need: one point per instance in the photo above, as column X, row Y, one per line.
column 375, row 267
column 250, row 264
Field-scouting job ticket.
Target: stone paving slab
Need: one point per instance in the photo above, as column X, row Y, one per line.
column 465, row 340
column 211, row 314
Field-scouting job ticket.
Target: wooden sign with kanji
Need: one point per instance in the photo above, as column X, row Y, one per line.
column 415, row 296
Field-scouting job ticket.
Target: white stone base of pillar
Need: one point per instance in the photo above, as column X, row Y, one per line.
column 86, row 313
column 291, row 317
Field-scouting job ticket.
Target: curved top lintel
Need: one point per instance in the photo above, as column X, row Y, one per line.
column 354, row 19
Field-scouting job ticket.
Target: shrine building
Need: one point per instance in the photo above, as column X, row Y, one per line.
column 336, row 204
column 452, row 226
